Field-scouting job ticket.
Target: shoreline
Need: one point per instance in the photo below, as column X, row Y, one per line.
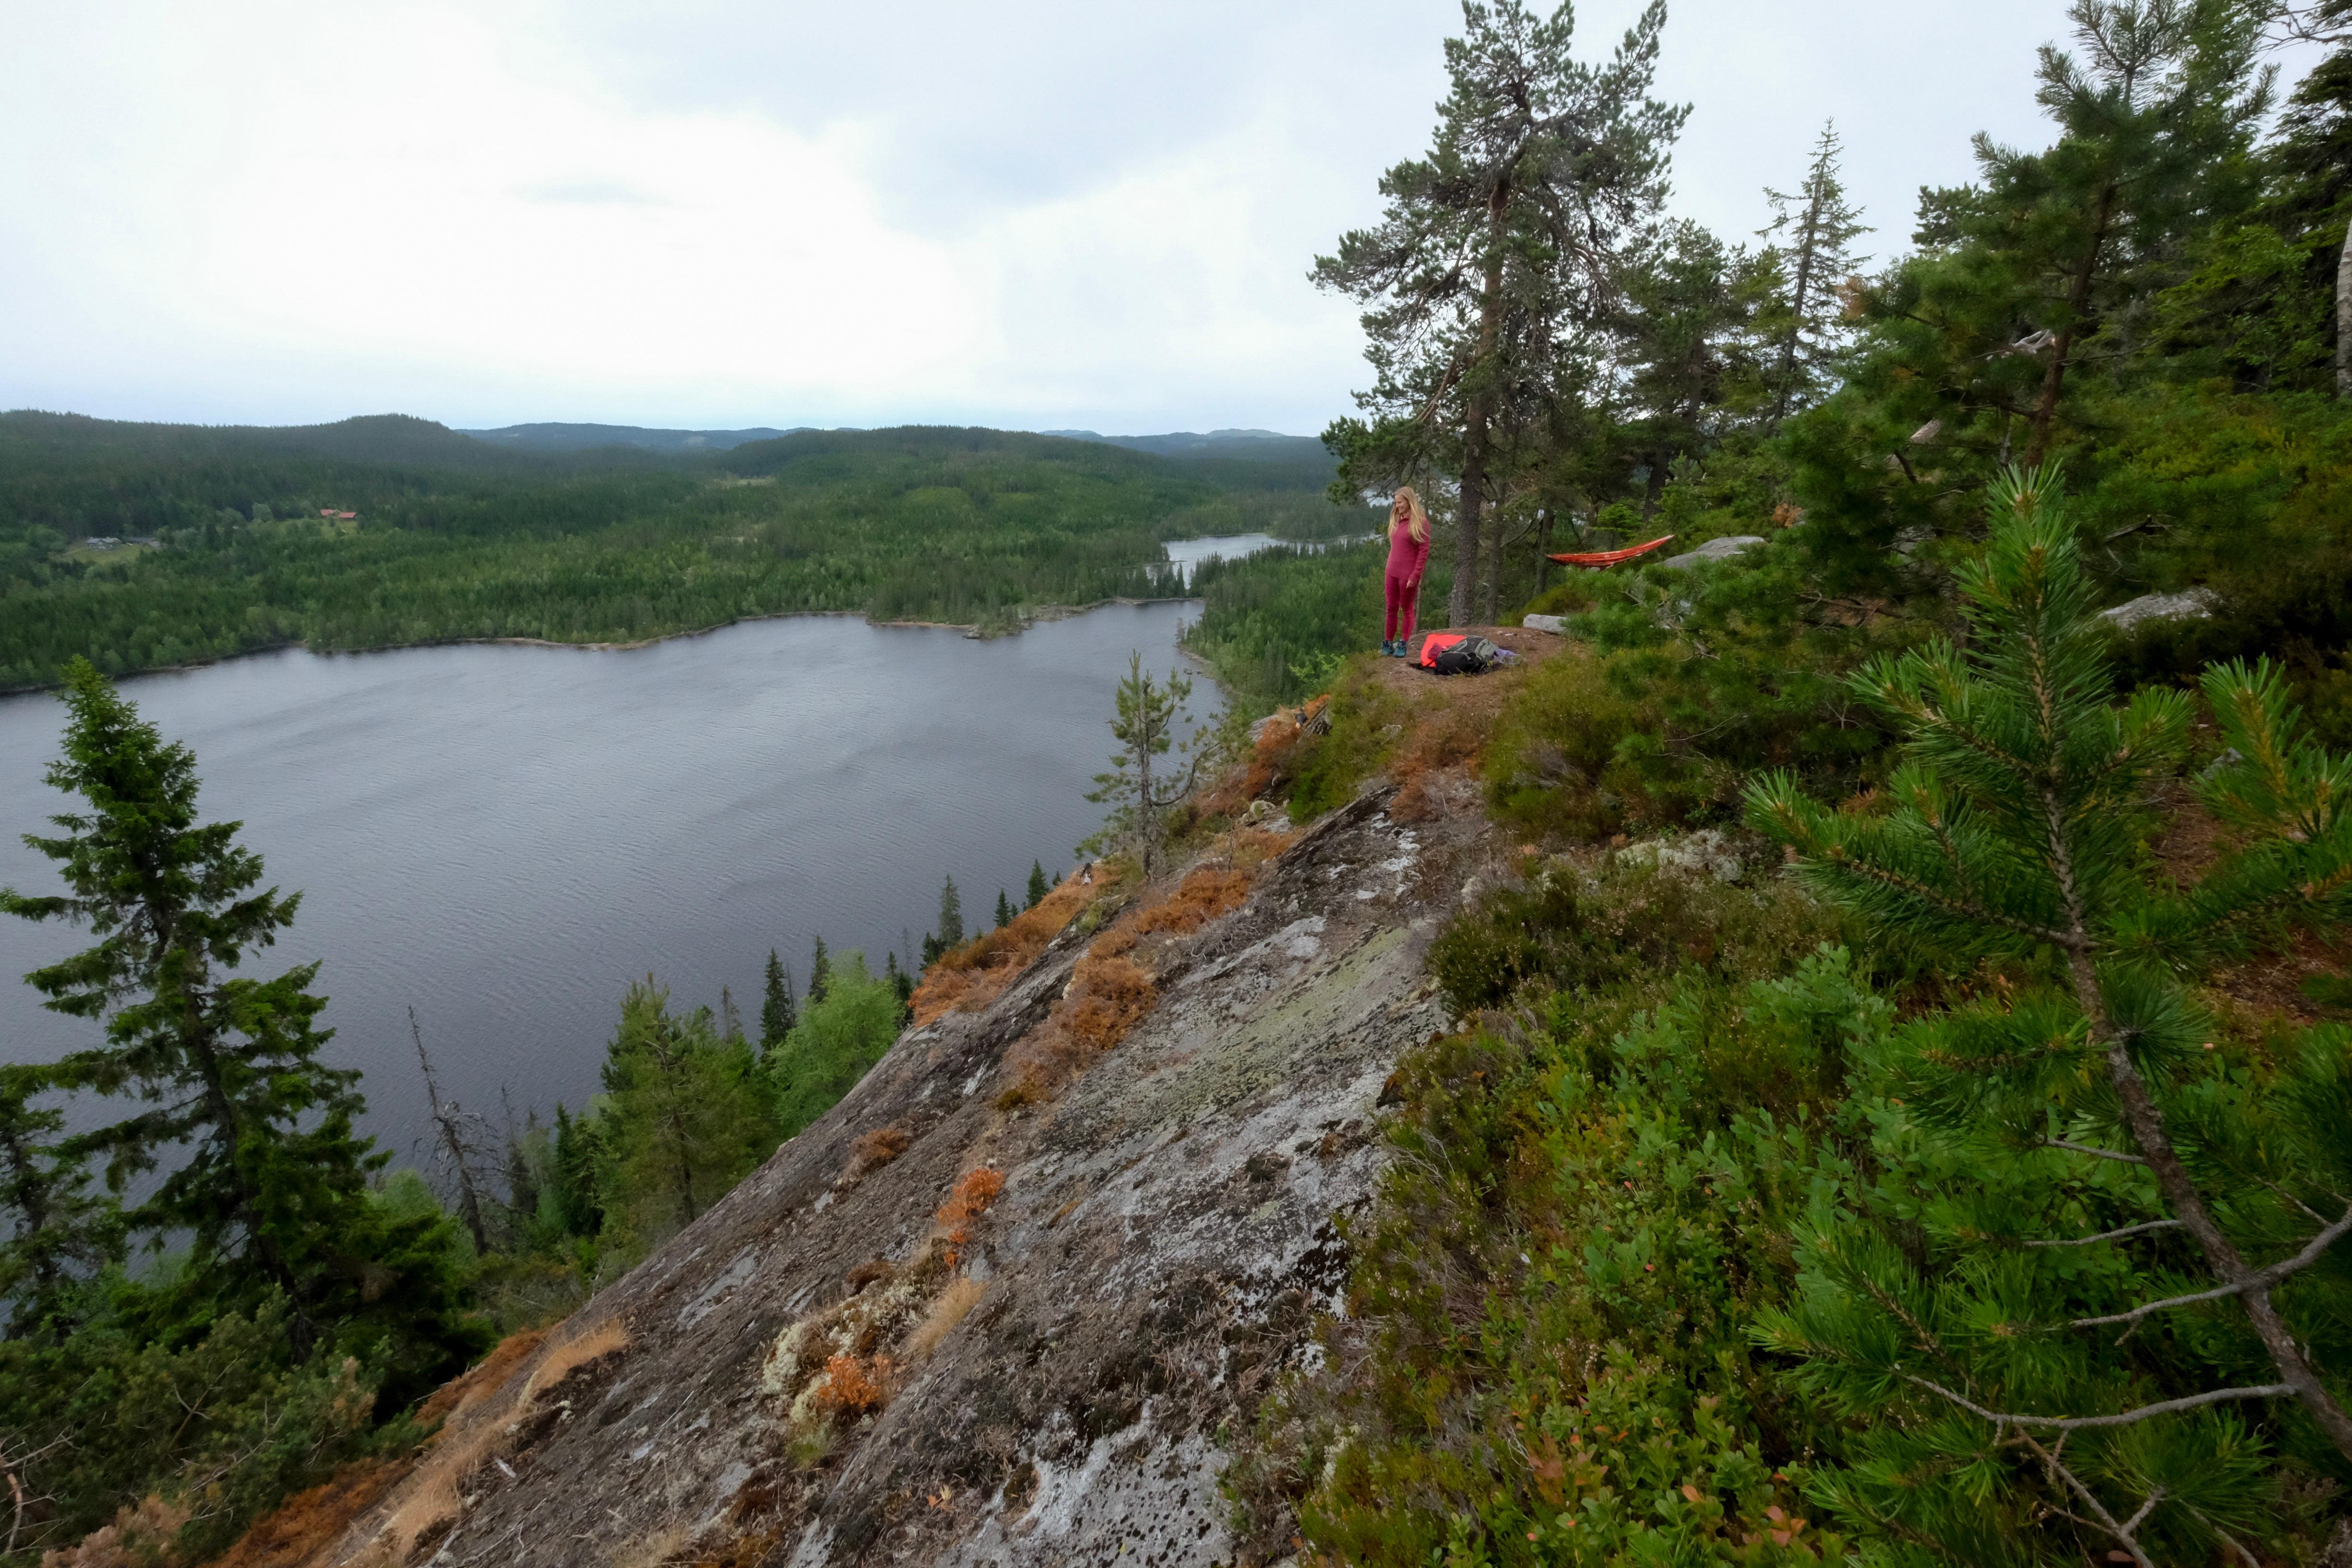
column 973, row 631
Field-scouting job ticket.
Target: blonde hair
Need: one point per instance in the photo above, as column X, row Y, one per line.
column 1417, row 519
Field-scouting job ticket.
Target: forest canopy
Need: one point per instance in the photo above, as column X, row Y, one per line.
column 390, row 531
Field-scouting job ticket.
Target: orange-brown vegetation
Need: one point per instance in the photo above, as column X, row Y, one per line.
column 872, row 1150
column 969, row 977
column 972, row 1195
column 853, row 1385
column 1206, row 895
column 309, row 1522
column 1108, row 997
column 1110, row 991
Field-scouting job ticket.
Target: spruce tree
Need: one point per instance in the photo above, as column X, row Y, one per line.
column 819, row 974
column 1038, row 886
column 270, row 1186
column 685, row 1111
column 577, row 1189
column 1817, row 226
column 1004, row 909
column 950, row 931
column 2120, row 1213
column 778, row 1011
column 1499, row 247
column 902, row 986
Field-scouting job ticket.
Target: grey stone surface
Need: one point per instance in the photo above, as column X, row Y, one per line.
column 2190, row 605
column 1163, row 1245
column 1722, row 549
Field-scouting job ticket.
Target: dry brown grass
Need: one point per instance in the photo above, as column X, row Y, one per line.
column 953, row 1306
column 572, row 1351
column 476, row 1432
column 309, row 1522
column 659, row 1548
column 972, row 977
column 870, row 1151
column 482, row 1378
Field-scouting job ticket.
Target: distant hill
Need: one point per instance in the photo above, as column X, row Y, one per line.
column 397, row 439
column 1257, row 445
column 549, row 438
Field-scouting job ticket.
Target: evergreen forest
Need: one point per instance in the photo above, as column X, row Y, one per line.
column 215, row 542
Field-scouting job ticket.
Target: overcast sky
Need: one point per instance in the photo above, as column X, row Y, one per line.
column 1030, row 214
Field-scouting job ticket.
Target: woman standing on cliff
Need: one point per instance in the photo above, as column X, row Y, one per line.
column 1408, row 556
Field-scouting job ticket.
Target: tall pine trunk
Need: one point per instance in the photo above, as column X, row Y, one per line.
column 2344, row 318
column 2045, row 410
column 1799, row 298
column 1461, row 603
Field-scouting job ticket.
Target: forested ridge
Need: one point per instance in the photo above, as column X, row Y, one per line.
column 454, row 538
column 1902, row 1104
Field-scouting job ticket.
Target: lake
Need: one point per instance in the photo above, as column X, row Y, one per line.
column 504, row 836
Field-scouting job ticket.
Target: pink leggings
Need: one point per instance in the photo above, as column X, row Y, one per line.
column 1401, row 593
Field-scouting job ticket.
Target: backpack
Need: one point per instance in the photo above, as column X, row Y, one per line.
column 1457, row 653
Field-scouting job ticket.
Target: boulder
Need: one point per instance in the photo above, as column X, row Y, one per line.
column 1722, row 549
column 1552, row 623
column 2190, row 605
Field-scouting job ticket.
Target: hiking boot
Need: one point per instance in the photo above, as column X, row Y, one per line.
column 1387, row 647
column 1402, row 651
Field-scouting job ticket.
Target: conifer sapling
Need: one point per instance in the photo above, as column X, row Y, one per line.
column 2087, row 1101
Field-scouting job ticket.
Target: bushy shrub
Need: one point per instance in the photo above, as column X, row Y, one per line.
column 1556, row 1286
column 1574, row 930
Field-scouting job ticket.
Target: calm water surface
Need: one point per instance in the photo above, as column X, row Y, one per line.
column 503, row 837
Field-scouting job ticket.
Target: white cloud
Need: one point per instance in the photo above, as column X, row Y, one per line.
column 1042, row 212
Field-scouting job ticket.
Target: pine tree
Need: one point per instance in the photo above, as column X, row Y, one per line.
column 950, row 931
column 730, row 1021
column 1004, row 909
column 819, row 974
column 1821, row 227
column 778, row 1011
column 1497, row 248
column 2057, row 251
column 58, row 1231
column 272, row 1189
column 1038, row 886
column 1988, row 1331
column 1149, row 713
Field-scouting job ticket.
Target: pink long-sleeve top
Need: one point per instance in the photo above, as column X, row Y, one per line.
column 1407, row 555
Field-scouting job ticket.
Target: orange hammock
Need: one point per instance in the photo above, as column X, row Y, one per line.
column 1602, row 560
